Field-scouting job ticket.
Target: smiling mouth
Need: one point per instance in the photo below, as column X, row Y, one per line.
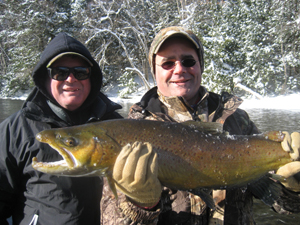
column 72, row 90
column 179, row 82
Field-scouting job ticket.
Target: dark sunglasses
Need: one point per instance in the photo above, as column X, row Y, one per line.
column 171, row 64
column 61, row 73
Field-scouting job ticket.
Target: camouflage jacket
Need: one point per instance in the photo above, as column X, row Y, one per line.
column 180, row 207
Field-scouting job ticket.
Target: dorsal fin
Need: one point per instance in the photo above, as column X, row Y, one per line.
column 206, row 127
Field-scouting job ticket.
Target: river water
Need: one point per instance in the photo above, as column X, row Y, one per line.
column 285, row 116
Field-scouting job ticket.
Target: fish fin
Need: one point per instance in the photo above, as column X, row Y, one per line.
column 206, row 127
column 204, row 194
column 278, row 177
column 266, row 190
column 277, row 136
column 112, row 185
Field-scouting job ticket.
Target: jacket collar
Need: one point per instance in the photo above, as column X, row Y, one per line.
column 180, row 110
column 212, row 107
column 227, row 104
column 37, row 107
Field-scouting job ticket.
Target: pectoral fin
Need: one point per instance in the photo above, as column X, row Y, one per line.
column 112, row 185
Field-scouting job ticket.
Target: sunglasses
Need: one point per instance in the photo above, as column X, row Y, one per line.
column 171, row 64
column 61, row 73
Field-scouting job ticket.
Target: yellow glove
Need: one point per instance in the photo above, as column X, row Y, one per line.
column 135, row 173
column 288, row 171
column 291, row 144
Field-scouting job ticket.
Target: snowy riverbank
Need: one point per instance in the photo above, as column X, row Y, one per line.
column 287, row 102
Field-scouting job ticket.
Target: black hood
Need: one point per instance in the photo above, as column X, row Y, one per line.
column 64, row 43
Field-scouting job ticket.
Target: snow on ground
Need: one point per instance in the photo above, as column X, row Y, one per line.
column 288, row 102
column 112, row 94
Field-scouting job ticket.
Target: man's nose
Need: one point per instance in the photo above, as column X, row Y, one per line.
column 178, row 67
column 71, row 78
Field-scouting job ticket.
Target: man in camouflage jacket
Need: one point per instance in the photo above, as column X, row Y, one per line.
column 178, row 69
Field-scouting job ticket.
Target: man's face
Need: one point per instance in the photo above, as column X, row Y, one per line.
column 70, row 93
column 179, row 80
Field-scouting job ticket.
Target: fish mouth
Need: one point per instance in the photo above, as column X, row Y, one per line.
column 68, row 163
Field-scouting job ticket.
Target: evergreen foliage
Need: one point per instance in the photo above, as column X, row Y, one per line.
column 254, row 41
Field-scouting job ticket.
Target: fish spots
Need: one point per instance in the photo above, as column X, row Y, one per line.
column 239, row 176
column 230, row 157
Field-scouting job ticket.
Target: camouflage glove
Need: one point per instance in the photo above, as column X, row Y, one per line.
column 291, row 144
column 135, row 173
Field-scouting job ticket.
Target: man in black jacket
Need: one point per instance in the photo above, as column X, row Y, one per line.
column 67, row 92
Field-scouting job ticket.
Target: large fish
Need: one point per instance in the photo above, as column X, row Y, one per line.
column 190, row 158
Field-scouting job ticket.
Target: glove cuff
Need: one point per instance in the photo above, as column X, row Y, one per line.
column 146, row 207
column 138, row 214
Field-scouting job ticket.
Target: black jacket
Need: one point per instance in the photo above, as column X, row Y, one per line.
column 28, row 195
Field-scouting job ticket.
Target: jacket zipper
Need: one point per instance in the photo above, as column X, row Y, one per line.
column 34, row 220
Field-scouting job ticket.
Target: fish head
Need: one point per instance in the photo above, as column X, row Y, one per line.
column 86, row 151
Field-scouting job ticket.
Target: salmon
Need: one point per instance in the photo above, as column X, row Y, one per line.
column 190, row 156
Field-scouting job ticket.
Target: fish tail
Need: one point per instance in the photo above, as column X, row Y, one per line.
column 277, row 136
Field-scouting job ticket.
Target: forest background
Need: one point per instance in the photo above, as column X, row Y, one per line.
column 255, row 42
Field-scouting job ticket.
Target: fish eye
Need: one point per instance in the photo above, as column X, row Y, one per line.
column 71, row 142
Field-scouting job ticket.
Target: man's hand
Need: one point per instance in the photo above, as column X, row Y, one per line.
column 291, row 144
column 135, row 173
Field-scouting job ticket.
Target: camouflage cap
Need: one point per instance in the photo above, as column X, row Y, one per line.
column 168, row 32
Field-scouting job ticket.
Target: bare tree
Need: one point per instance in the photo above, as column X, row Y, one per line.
column 120, row 32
